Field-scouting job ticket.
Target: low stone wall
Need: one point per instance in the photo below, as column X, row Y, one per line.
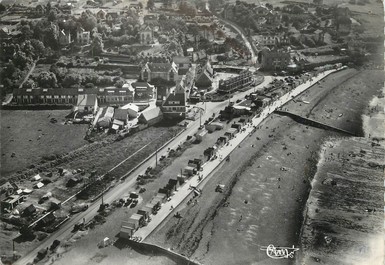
column 158, row 250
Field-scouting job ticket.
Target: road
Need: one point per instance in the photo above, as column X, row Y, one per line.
column 119, row 190
column 222, row 153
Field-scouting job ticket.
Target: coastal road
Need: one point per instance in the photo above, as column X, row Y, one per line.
column 222, row 153
column 122, row 188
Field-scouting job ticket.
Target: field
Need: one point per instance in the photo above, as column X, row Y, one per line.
column 30, row 136
column 267, row 182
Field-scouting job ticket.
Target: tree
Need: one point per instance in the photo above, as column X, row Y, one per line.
column 71, row 80
column 22, row 61
column 39, row 48
column 29, row 84
column 47, row 80
column 52, row 15
column 2, row 8
column 269, row 6
column 150, row 4
column 119, row 83
column 97, row 45
column 88, row 21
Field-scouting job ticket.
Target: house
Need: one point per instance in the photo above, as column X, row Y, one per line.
column 9, row 203
column 166, row 71
column 183, row 64
column 64, row 38
column 261, row 10
column 101, row 14
column 132, row 109
column 232, row 84
column 143, row 91
column 83, row 37
column 112, row 16
column 116, row 96
column 205, row 77
column 150, row 19
column 105, row 118
column 40, row 9
column 72, row 182
column 151, row 116
column 273, row 18
column 8, row 188
column 120, row 119
column 175, row 105
column 146, row 35
column 87, row 103
column 274, row 60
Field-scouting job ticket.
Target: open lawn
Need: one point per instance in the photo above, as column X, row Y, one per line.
column 30, row 135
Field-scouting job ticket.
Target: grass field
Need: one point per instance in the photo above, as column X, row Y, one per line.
column 30, row 135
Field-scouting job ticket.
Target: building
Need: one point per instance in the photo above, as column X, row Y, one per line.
column 175, row 104
column 87, row 103
column 274, row 60
column 146, row 35
column 183, row 63
column 9, row 203
column 166, row 71
column 151, row 116
column 121, row 115
column 132, row 109
column 101, row 14
column 83, row 37
column 205, row 77
column 143, row 91
column 64, row 38
column 150, row 19
column 245, row 78
column 69, row 96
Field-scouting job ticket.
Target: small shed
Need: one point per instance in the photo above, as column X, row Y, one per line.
column 157, row 201
column 165, row 191
column 200, row 134
column 72, row 182
column 237, row 126
column 210, row 152
column 145, row 212
column 129, row 224
column 38, row 185
column 161, row 197
column 190, row 171
column 173, row 183
column 36, row 177
column 231, row 133
column 222, row 140
column 117, row 124
column 137, row 217
column 126, row 232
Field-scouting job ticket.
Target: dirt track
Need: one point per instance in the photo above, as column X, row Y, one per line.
column 264, row 203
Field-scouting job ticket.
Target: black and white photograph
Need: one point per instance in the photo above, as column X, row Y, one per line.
column 192, row 132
